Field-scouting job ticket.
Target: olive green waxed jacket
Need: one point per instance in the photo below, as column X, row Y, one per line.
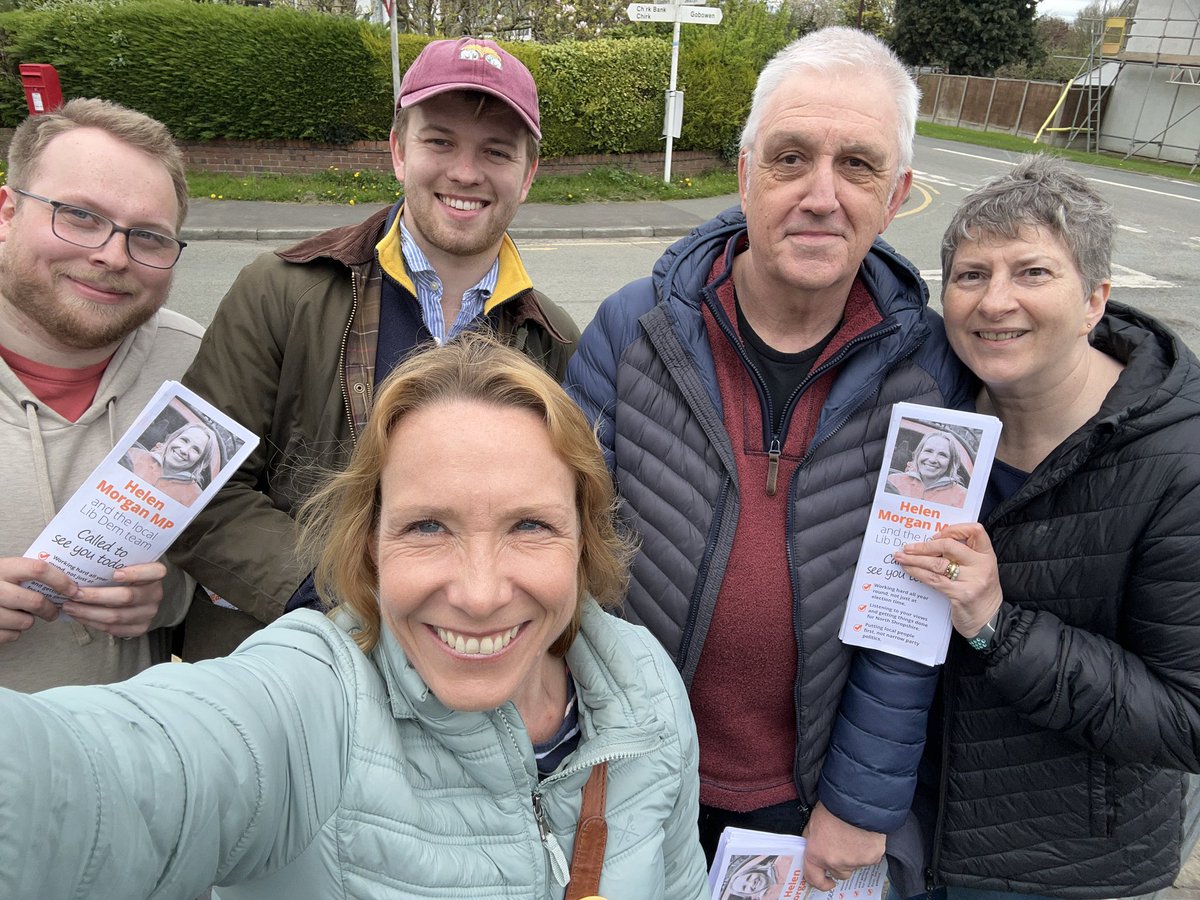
column 290, row 354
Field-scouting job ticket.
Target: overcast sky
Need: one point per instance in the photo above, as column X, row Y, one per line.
column 1063, row 9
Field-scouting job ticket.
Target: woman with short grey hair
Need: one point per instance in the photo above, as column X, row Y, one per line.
column 1071, row 695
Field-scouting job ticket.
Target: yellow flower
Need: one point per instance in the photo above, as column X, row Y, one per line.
column 352, row 201
column 356, row 174
column 212, row 196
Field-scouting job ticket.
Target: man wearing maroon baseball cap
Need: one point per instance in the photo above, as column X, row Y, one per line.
column 305, row 334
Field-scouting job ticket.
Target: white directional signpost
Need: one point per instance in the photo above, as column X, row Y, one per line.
column 651, row 12
column 678, row 12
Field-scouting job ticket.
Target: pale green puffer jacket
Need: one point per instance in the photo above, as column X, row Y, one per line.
column 299, row 767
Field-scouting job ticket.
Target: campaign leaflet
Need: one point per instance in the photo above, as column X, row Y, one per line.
column 935, row 473
column 771, row 867
column 163, row 470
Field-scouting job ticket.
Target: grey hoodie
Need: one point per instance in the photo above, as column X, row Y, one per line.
column 44, row 458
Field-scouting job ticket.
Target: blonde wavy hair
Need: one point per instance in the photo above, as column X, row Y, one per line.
column 339, row 522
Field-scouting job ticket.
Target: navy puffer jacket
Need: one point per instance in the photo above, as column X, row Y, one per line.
column 644, row 371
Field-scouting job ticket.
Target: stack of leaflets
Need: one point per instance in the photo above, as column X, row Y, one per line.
column 755, row 865
column 936, row 467
column 164, row 469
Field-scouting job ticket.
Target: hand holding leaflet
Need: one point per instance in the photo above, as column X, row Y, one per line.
column 764, row 866
column 20, row 607
column 936, row 465
column 163, row 470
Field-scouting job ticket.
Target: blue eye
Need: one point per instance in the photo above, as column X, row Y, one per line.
column 428, row 526
column 79, row 218
column 151, row 239
column 531, row 525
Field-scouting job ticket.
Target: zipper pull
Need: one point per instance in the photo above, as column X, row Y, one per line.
column 558, row 859
column 773, row 467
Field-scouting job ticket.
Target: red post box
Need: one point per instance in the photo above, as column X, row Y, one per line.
column 42, row 91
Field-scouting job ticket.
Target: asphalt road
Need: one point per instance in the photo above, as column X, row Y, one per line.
column 1157, row 259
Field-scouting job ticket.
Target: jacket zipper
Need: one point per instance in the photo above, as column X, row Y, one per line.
column 773, row 443
column 558, row 860
column 689, row 626
column 342, row 359
column 770, row 443
column 549, row 841
column 943, row 772
column 790, row 518
column 560, row 869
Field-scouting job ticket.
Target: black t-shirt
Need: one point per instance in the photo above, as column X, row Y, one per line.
column 1004, row 481
column 782, row 372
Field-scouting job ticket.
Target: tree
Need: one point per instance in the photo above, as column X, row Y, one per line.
column 877, row 16
column 874, row 16
column 812, row 14
column 967, row 37
column 1068, row 49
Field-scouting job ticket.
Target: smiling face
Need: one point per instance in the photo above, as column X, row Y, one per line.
column 185, row 450
column 478, row 554
column 464, row 174
column 67, row 298
column 1017, row 311
column 933, row 458
column 820, row 183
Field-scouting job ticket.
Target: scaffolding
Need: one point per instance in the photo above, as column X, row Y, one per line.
column 1162, row 48
column 1096, row 73
column 1156, row 41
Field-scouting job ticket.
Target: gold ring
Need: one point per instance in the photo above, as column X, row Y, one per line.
column 951, row 570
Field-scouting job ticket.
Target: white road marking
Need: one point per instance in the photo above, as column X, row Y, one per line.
column 1005, row 162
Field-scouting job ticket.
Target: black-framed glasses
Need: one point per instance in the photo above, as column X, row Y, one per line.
column 85, row 228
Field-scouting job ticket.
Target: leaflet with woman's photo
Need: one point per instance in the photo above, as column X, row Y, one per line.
column 163, row 470
column 757, row 865
column 936, row 466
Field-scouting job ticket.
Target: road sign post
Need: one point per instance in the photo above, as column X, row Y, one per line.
column 678, row 11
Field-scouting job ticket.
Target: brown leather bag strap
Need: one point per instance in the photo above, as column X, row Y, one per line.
column 591, row 835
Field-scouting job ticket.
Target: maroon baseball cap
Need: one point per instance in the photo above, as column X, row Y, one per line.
column 471, row 64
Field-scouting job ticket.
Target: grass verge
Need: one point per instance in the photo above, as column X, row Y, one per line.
column 1013, row 143
column 361, row 186
column 352, row 186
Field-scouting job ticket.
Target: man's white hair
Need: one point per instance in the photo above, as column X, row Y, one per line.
column 845, row 51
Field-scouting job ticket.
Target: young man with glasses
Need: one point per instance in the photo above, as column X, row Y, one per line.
column 88, row 222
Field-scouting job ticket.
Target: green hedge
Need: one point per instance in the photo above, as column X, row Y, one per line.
column 211, row 70
column 243, row 73
column 603, row 96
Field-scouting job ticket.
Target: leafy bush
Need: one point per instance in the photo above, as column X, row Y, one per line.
column 718, row 70
column 603, row 96
column 211, row 70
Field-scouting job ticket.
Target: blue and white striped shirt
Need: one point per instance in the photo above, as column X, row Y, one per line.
column 429, row 290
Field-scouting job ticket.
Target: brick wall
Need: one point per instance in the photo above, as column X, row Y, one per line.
column 300, row 156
